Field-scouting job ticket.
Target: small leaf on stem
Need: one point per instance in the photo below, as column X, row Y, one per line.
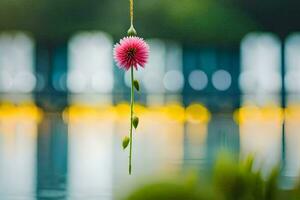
column 135, row 122
column 136, row 85
column 125, row 142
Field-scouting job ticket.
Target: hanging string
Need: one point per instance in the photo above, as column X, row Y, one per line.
column 131, row 12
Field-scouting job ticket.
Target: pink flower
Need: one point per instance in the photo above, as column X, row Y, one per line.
column 131, row 52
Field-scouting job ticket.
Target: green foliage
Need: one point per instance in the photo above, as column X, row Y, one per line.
column 241, row 181
column 211, row 21
column 172, row 190
column 231, row 180
column 206, row 21
column 293, row 194
column 271, row 189
column 164, row 191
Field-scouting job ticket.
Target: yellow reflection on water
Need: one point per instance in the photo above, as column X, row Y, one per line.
column 197, row 119
column 90, row 152
column 18, row 134
column 292, row 139
column 96, row 158
column 261, row 134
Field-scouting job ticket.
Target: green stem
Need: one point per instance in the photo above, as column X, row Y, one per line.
column 131, row 118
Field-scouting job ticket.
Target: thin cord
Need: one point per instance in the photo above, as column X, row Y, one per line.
column 131, row 12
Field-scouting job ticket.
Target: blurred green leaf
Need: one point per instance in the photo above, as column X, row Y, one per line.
column 232, row 180
column 125, row 142
column 135, row 122
column 136, row 85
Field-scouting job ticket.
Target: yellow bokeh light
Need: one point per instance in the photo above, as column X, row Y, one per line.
column 292, row 112
column 22, row 111
column 87, row 112
column 197, row 113
column 173, row 111
column 255, row 113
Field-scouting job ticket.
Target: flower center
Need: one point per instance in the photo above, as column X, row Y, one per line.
column 131, row 53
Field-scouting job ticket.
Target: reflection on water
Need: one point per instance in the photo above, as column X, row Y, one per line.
column 90, row 156
column 18, row 134
column 52, row 156
column 292, row 138
column 77, row 154
column 262, row 135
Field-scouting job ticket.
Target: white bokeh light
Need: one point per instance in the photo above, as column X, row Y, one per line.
column 165, row 61
column 173, row 81
column 6, row 80
column 16, row 63
column 292, row 52
column 221, row 80
column 154, row 70
column 77, row 82
column 97, row 82
column 198, row 80
column 260, row 78
column 24, row 82
column 90, row 63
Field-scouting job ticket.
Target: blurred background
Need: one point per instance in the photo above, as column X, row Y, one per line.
column 223, row 75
